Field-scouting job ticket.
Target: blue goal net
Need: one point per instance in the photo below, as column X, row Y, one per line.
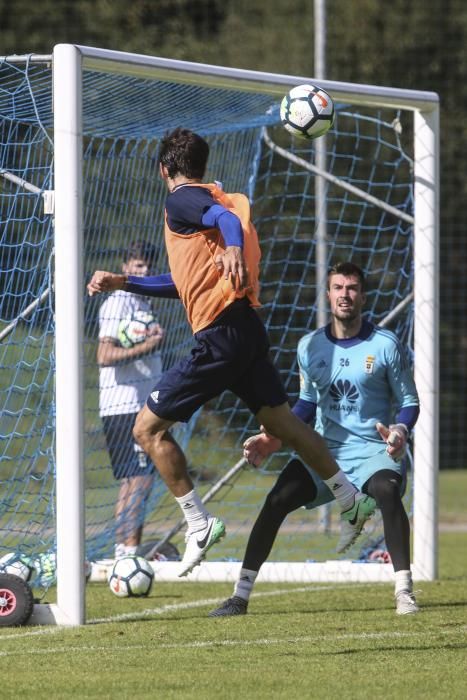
column 368, row 188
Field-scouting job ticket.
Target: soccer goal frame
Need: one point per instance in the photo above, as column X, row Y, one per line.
column 68, row 63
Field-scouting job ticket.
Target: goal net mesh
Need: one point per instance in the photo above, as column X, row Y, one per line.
column 124, row 119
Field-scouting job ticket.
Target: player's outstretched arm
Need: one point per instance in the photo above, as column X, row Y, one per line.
column 395, row 437
column 102, row 281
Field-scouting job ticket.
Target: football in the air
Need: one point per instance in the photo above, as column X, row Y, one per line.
column 131, row 576
column 17, row 564
column 134, row 330
column 307, row 111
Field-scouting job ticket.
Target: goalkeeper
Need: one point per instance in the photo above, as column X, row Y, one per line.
column 214, row 254
column 351, row 373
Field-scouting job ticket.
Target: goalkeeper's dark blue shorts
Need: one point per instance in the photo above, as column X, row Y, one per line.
column 230, row 354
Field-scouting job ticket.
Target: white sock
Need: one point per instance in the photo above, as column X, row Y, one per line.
column 342, row 490
column 124, row 550
column 119, row 550
column 245, row 583
column 403, row 581
column 194, row 511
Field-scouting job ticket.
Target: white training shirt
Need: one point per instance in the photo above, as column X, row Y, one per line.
column 124, row 388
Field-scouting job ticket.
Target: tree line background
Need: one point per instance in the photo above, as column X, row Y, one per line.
column 405, row 43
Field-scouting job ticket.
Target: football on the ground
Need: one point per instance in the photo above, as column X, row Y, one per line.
column 136, row 329
column 18, row 565
column 131, row 576
column 307, row 111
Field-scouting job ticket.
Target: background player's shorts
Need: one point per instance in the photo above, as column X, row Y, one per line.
column 358, row 473
column 230, row 354
column 126, row 456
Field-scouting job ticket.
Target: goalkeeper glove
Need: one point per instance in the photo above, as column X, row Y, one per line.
column 260, row 446
column 395, row 437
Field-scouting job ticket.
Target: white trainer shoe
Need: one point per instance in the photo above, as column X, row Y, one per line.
column 406, row 603
column 353, row 520
column 198, row 543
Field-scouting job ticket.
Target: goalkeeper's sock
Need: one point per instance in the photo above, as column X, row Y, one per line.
column 403, row 581
column 245, row 584
column 342, row 490
column 194, row 511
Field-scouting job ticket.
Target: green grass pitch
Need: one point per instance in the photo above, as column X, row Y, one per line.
column 309, row 641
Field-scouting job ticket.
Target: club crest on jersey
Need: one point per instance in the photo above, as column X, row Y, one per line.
column 369, row 364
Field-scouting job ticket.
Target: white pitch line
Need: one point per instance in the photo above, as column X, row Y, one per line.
column 173, row 607
column 199, row 604
column 362, row 636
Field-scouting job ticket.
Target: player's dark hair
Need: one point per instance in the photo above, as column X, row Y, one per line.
column 183, row 152
column 141, row 250
column 347, row 269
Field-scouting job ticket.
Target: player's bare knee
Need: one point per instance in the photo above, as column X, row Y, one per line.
column 142, row 432
column 139, row 435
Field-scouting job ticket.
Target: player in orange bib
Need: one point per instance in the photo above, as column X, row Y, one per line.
column 214, row 256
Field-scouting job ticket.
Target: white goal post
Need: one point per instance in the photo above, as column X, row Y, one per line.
column 68, row 64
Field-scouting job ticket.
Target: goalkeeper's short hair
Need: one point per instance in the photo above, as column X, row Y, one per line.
column 347, row 269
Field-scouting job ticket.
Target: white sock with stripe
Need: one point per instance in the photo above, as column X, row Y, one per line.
column 245, row 583
column 342, row 490
column 194, row 511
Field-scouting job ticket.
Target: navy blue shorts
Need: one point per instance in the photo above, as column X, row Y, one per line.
column 126, row 456
column 231, row 354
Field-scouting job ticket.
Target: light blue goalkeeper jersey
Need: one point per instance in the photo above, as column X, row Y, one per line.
column 355, row 382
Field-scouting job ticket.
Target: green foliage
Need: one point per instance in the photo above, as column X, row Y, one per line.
column 140, row 26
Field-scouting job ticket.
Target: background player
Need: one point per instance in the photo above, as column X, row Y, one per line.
column 351, row 374
column 126, row 376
